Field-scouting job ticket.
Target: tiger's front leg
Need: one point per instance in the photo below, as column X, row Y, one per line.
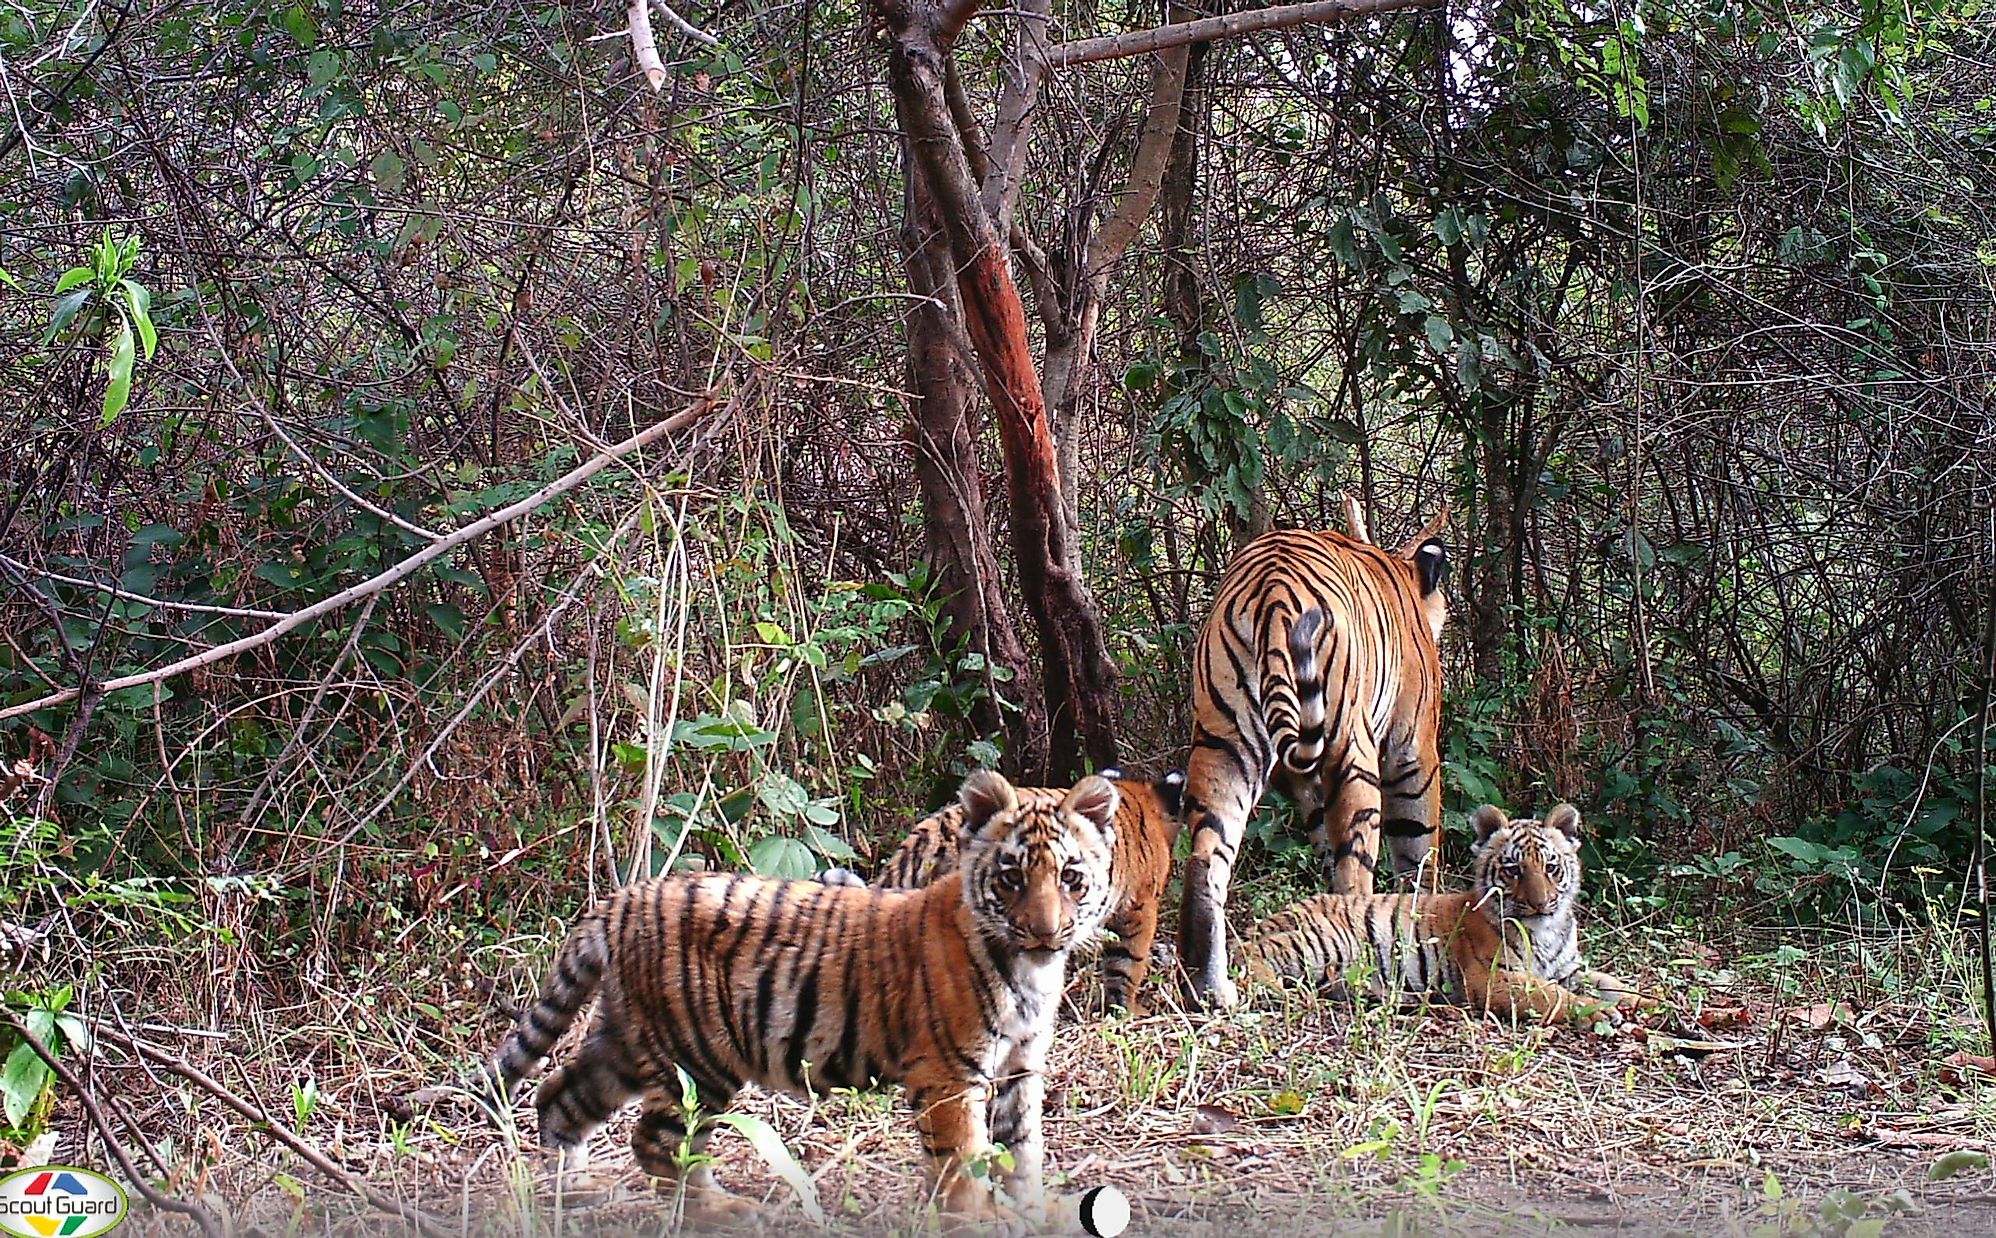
column 1016, row 1106
column 1222, row 787
column 951, row 1116
column 1516, row 995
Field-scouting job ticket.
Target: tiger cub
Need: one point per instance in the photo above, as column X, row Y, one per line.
column 1146, row 828
column 950, row 990
column 1509, row 945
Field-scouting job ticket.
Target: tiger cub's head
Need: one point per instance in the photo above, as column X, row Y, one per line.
column 1527, row 868
column 1035, row 861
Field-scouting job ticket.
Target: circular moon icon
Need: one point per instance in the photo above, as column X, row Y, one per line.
column 1105, row 1212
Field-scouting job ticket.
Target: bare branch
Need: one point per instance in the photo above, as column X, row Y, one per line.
column 1206, row 29
column 644, row 44
column 401, row 571
column 193, row 608
column 685, row 27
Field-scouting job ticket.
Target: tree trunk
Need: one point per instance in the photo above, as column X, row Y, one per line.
column 1079, row 674
column 956, row 526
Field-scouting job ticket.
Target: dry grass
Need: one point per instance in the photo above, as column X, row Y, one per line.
column 1817, row 1073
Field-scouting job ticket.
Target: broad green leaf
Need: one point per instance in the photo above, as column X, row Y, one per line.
column 782, row 857
column 140, row 302
column 124, row 354
column 21, row 1082
column 829, row 845
column 7, row 278
column 72, row 277
column 769, row 1146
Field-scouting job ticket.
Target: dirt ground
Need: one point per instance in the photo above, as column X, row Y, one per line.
column 1782, row 1091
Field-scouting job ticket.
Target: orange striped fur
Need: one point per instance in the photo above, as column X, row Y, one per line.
column 1319, row 670
column 1509, row 945
column 950, row 990
column 1146, row 828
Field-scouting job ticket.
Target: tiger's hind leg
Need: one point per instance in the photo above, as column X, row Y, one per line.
column 577, row 1098
column 1345, row 833
column 1126, row 962
column 1223, row 783
column 663, row 1147
column 1410, row 793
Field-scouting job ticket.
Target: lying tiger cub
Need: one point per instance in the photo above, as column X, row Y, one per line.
column 1509, row 945
column 950, row 990
column 1146, row 827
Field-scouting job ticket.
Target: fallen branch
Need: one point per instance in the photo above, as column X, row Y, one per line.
column 1206, row 29
column 401, row 571
column 423, row 1222
column 685, row 27
column 70, row 1080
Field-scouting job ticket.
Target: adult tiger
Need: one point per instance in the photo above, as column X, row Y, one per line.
column 950, row 990
column 1318, row 667
column 1146, row 827
column 1510, row 945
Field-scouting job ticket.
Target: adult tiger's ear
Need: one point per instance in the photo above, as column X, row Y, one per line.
column 1431, row 562
column 1431, row 531
column 1566, row 819
column 1095, row 798
column 1487, row 820
column 984, row 795
column 1171, row 789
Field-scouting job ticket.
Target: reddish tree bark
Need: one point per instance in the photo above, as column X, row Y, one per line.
column 1079, row 675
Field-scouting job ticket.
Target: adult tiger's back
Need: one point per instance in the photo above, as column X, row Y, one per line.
column 951, row 991
column 1318, row 667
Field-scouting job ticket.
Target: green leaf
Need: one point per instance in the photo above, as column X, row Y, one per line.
column 769, row 1146
column 784, row 858
column 449, row 619
column 140, row 302
column 124, row 354
column 783, row 795
column 7, row 278
column 388, row 171
column 1440, row 333
column 21, row 1082
column 72, row 277
column 1959, row 1161
column 829, row 845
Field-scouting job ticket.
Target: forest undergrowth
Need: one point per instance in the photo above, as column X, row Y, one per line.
column 1795, row 1080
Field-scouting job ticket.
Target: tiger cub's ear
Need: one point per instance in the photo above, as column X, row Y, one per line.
column 984, row 795
column 1487, row 820
column 1095, row 798
column 1566, row 819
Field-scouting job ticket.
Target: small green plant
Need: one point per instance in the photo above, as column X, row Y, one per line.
column 761, row 1136
column 304, row 1100
column 27, row 1084
column 106, row 290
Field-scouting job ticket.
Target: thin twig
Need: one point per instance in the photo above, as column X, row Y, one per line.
column 401, row 571
column 74, row 1083
column 192, row 608
column 424, row 1223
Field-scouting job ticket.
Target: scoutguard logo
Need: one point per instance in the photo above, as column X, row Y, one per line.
column 59, row 1201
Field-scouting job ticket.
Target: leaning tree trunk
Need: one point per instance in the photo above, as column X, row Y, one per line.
column 1079, row 675
column 956, row 524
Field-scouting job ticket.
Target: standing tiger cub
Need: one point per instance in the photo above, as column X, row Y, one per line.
column 1319, row 668
column 1510, row 945
column 950, row 990
column 1140, row 869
